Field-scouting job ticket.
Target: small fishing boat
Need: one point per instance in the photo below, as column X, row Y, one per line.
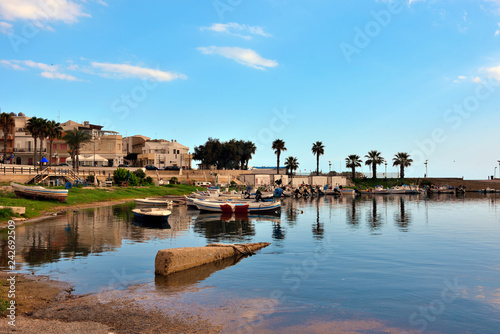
column 236, row 206
column 153, row 201
column 38, row 192
column 151, row 216
column 397, row 190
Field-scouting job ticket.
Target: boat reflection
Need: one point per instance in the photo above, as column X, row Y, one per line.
column 216, row 227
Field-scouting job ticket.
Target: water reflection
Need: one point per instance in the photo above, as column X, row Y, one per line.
column 374, row 218
column 402, row 218
column 317, row 228
column 352, row 213
column 217, row 227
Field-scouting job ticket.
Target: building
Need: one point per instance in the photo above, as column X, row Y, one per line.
column 163, row 153
column 105, row 144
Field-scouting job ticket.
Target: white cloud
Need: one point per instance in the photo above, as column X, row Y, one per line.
column 130, row 71
column 5, row 28
column 47, row 71
column 236, row 29
column 477, row 80
column 66, row 11
column 494, row 72
column 247, row 57
column 55, row 75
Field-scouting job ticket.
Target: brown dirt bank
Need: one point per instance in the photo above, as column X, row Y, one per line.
column 45, row 306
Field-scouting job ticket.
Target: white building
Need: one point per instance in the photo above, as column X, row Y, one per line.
column 163, row 153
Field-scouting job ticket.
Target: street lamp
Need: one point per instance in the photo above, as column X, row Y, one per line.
column 385, row 174
column 426, row 168
column 329, row 166
column 495, row 173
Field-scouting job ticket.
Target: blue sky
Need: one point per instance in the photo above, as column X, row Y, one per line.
column 421, row 77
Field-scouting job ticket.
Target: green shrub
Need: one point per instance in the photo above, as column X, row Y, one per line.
column 134, row 180
column 174, row 180
column 120, row 175
column 140, row 174
column 148, row 180
column 90, row 179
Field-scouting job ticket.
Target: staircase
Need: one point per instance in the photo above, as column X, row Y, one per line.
column 55, row 172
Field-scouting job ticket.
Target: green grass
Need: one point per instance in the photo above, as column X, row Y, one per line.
column 84, row 195
column 386, row 183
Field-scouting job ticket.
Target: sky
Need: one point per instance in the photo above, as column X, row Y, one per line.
column 421, row 77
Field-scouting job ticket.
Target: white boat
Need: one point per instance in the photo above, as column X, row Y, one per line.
column 38, row 192
column 153, row 201
column 344, row 191
column 236, row 206
column 151, row 216
column 397, row 190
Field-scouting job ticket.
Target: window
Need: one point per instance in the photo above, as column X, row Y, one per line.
column 64, row 146
column 54, row 146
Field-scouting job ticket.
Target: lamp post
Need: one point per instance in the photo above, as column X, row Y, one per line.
column 425, row 168
column 385, row 174
column 495, row 173
column 329, row 167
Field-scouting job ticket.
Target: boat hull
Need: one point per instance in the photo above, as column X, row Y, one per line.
column 40, row 193
column 237, row 207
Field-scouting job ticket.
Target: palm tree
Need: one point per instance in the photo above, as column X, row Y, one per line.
column 54, row 131
column 318, row 149
column 402, row 159
column 373, row 158
column 33, row 127
column 6, row 123
column 75, row 139
column 249, row 149
column 353, row 161
column 278, row 147
column 291, row 164
column 42, row 132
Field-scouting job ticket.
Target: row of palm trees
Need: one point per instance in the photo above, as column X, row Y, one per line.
column 373, row 159
column 43, row 129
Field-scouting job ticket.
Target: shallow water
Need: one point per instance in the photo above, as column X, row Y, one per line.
column 414, row 263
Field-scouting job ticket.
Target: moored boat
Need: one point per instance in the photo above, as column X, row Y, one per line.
column 153, row 201
column 151, row 216
column 38, row 192
column 236, row 206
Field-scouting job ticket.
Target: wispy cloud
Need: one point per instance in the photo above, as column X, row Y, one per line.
column 463, row 78
column 5, row 28
column 42, row 12
column 47, row 71
column 494, row 72
column 130, row 71
column 236, row 29
column 61, row 76
column 108, row 70
column 247, row 57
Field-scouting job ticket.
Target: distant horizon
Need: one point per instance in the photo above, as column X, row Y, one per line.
column 420, row 77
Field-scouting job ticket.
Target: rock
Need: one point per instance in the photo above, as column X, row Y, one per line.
column 170, row 261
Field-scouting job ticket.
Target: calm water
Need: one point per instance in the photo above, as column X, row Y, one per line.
column 415, row 263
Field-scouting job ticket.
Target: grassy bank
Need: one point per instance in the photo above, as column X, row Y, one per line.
column 78, row 196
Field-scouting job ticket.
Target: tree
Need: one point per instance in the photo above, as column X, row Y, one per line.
column 33, row 127
column 402, row 159
column 75, row 139
column 318, row 149
column 291, row 164
column 54, row 131
column 353, row 161
column 42, row 132
column 248, row 148
column 278, row 147
column 374, row 158
column 6, row 123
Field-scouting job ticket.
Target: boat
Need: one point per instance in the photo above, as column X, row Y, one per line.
column 37, row 192
column 397, row 190
column 153, row 201
column 236, row 206
column 151, row 216
column 443, row 190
